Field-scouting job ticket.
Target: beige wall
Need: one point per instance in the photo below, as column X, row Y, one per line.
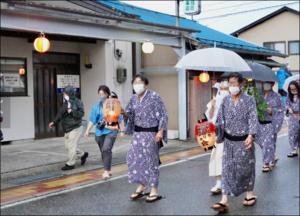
column 283, row 27
column 164, row 83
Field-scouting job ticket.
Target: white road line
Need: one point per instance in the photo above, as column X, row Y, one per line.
column 91, row 184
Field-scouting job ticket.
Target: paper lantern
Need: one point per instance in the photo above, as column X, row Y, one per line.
column 148, row 47
column 205, row 134
column 41, row 44
column 111, row 112
column 204, row 77
column 22, row 71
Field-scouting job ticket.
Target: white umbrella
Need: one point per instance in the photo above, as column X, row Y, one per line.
column 213, row 59
column 288, row 80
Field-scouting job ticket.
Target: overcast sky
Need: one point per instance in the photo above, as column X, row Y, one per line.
column 226, row 24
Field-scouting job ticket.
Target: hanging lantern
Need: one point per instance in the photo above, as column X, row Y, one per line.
column 112, row 112
column 204, row 77
column 41, row 44
column 205, row 134
column 249, row 79
column 148, row 47
column 22, row 71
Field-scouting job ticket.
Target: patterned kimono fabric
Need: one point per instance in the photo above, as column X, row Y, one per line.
column 294, row 129
column 143, row 153
column 238, row 165
column 267, row 133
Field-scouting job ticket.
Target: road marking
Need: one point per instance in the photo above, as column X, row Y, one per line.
column 92, row 184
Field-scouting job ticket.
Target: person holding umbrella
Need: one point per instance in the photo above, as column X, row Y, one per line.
column 267, row 130
column 292, row 104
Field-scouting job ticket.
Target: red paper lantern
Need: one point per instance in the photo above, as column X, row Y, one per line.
column 111, row 111
column 22, row 71
column 41, row 44
column 204, row 77
column 205, row 134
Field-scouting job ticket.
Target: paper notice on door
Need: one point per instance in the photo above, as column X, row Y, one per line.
column 11, row 80
column 65, row 80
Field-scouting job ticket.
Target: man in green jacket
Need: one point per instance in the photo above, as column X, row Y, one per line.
column 71, row 115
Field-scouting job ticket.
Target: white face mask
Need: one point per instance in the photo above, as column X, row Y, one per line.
column 294, row 92
column 234, row 90
column 267, row 86
column 67, row 98
column 139, row 88
column 224, row 93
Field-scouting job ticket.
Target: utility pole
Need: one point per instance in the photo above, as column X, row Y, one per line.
column 177, row 12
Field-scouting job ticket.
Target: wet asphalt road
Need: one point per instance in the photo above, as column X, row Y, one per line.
column 185, row 187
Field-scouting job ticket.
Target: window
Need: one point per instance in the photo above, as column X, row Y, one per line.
column 278, row 46
column 13, row 81
column 293, row 47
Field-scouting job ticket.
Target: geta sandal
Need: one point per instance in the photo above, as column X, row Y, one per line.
column 157, row 198
column 220, row 207
column 247, row 200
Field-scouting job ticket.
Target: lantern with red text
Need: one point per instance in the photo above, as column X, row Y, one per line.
column 41, row 44
column 21, row 71
column 205, row 134
column 111, row 112
column 204, row 77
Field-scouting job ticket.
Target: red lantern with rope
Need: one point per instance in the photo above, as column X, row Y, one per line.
column 205, row 134
column 112, row 111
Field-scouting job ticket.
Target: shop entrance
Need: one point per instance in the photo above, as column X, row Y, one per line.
column 47, row 101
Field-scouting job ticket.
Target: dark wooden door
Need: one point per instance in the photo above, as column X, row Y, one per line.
column 47, row 102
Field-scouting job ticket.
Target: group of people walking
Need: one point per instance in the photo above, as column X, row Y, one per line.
column 232, row 112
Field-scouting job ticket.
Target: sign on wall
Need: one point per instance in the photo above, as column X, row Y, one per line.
column 192, row 7
column 11, row 80
column 65, row 80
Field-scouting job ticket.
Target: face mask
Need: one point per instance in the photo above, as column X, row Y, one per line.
column 67, row 98
column 267, row 86
column 103, row 98
column 139, row 88
column 234, row 90
column 294, row 92
column 224, row 93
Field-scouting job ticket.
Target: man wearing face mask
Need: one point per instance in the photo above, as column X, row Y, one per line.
column 270, row 127
column 215, row 163
column 146, row 118
column 71, row 116
column 236, row 124
column 104, row 136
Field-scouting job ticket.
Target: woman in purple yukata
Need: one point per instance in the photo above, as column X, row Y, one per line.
column 292, row 104
column 236, row 124
column 269, row 128
column 146, row 118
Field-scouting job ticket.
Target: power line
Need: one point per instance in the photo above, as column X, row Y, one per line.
column 230, row 14
column 204, row 11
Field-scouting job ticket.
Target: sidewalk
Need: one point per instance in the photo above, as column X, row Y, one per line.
column 43, row 159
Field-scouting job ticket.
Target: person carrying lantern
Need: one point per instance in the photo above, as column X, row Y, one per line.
column 269, row 128
column 104, row 136
column 215, row 163
column 146, row 118
column 293, row 106
column 71, row 116
column 236, row 124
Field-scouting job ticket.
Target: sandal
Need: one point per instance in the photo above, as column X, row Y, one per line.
column 292, row 154
column 217, row 191
column 220, row 207
column 268, row 169
column 275, row 162
column 105, row 176
column 157, row 198
column 247, row 200
column 139, row 194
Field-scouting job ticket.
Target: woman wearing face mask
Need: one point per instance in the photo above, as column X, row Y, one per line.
column 292, row 104
column 146, row 118
column 215, row 163
column 105, row 137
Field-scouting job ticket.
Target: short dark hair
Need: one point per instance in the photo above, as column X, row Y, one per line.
column 143, row 78
column 236, row 75
column 105, row 89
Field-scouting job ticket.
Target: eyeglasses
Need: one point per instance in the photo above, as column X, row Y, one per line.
column 233, row 83
column 138, row 82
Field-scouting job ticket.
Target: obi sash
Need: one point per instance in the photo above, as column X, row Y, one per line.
column 235, row 138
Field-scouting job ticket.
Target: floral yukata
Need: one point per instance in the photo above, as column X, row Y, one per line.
column 238, row 164
column 143, row 152
column 294, row 128
column 267, row 133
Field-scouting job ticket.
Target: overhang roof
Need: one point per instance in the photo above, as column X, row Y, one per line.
column 257, row 22
column 207, row 35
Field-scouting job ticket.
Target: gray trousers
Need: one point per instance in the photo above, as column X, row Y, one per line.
column 106, row 143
